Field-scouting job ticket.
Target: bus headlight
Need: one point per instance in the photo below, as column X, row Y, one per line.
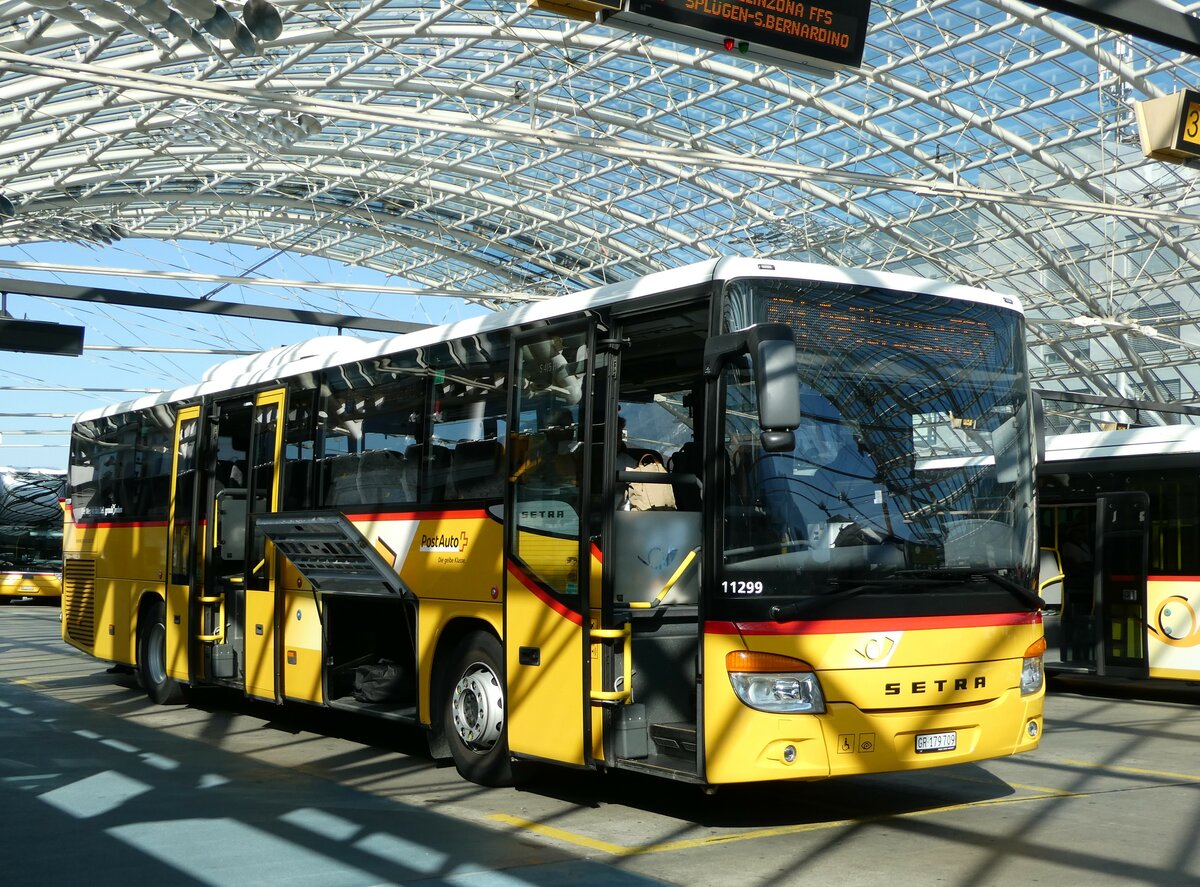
column 1032, row 672
column 769, row 682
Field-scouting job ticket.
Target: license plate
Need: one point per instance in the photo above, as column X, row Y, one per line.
column 927, row 742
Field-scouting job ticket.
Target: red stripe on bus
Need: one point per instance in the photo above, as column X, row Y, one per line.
column 466, row 514
column 850, row 626
column 543, row 596
column 1173, row 578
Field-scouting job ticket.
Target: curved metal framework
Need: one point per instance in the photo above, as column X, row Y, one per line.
column 487, row 148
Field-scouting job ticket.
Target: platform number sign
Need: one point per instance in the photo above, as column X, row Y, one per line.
column 1189, row 124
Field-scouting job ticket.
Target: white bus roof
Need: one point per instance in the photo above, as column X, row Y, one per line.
column 327, row 351
column 1157, row 441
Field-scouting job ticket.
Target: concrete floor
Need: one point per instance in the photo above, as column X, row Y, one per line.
column 99, row 787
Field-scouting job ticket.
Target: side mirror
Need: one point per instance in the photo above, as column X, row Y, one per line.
column 776, row 380
column 778, row 393
column 778, row 441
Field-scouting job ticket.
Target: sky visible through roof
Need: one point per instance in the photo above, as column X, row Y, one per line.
column 39, row 391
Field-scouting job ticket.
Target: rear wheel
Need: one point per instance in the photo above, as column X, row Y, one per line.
column 152, row 656
column 475, row 712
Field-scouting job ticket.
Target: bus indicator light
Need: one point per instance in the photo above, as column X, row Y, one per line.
column 1032, row 674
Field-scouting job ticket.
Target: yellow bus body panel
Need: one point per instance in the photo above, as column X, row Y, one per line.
column 260, row 644
column 1173, row 627
column 546, row 701
column 303, row 649
column 875, row 707
column 112, row 602
column 434, row 616
column 178, row 666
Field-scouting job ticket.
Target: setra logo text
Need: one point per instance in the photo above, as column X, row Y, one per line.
column 936, row 686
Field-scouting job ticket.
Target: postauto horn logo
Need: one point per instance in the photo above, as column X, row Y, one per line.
column 455, row 543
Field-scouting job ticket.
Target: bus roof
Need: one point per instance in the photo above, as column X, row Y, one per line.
column 327, row 351
column 1154, row 441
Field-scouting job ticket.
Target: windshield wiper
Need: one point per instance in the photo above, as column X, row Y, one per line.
column 903, row 580
column 1032, row 600
column 1022, row 593
column 790, row 611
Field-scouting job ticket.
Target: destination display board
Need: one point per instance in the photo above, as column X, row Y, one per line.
column 827, row 34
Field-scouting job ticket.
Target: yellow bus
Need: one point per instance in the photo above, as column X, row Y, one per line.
column 1120, row 529
column 739, row 521
column 31, row 529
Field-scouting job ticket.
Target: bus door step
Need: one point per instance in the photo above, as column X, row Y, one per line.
column 675, row 740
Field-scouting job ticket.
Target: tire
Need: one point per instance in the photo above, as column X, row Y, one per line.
column 475, row 711
column 152, row 656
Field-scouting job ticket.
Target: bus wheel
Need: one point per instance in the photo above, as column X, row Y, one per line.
column 474, row 712
column 152, row 657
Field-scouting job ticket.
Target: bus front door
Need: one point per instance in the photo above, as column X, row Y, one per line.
column 1122, row 552
column 547, row 548
column 238, row 615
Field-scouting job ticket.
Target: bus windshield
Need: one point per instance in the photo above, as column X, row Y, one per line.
column 31, row 550
column 912, row 465
column 31, row 528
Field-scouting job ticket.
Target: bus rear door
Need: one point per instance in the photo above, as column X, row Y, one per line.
column 1122, row 552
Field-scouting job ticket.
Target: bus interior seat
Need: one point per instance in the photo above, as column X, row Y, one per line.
column 381, row 477
column 342, row 472
column 686, row 460
column 435, row 474
column 478, row 467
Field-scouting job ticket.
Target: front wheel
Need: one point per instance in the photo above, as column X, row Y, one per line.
column 474, row 712
column 152, row 657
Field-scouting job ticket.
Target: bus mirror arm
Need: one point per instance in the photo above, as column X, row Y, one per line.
column 773, row 349
column 1039, row 425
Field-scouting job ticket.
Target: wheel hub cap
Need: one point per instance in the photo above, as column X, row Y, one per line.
column 478, row 708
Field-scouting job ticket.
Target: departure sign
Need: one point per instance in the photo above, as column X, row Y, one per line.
column 826, row 34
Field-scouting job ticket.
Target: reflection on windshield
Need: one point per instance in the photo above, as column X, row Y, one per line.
column 30, row 551
column 912, row 454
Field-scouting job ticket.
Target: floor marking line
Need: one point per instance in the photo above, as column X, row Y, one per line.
column 551, row 831
column 776, row 831
column 1134, row 771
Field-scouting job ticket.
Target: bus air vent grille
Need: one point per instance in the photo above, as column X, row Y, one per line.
column 79, row 600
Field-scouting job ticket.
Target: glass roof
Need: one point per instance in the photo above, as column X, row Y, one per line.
column 497, row 150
